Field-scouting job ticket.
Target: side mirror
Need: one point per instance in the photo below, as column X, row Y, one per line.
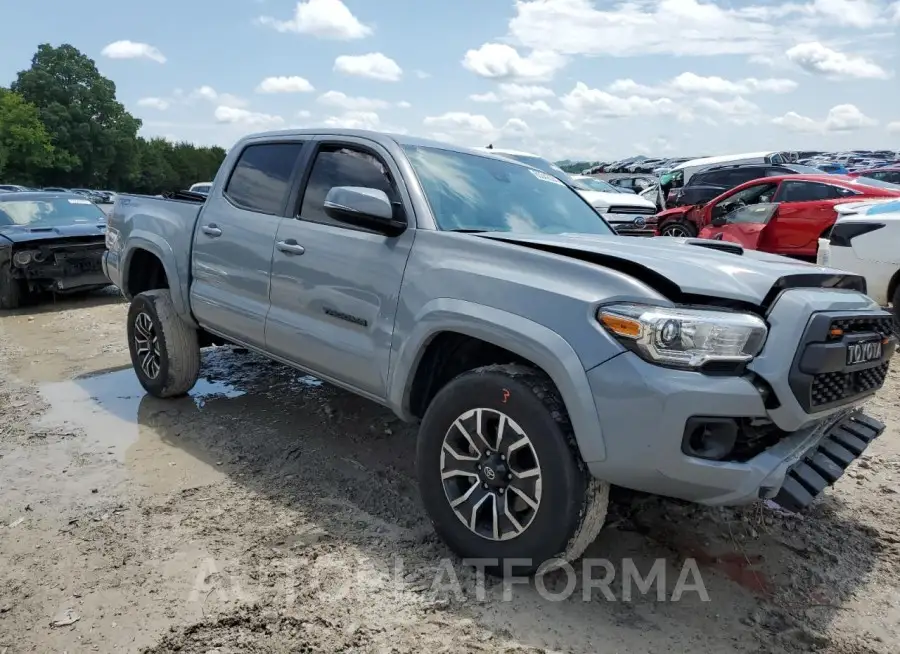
column 719, row 221
column 363, row 207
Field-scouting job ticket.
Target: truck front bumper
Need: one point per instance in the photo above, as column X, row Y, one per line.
column 644, row 414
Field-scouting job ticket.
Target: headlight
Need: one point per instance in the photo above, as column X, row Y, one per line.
column 685, row 338
column 22, row 258
column 601, row 208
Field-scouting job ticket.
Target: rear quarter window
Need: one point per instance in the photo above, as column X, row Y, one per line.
column 261, row 177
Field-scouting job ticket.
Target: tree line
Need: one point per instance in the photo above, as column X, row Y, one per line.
column 61, row 125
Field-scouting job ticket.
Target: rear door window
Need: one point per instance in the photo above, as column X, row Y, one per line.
column 261, row 178
column 799, row 191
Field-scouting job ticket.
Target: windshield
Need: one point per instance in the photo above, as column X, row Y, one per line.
column 594, row 184
column 45, row 213
column 877, row 183
column 541, row 164
column 471, row 192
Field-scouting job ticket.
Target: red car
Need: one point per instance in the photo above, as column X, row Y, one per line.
column 887, row 174
column 783, row 215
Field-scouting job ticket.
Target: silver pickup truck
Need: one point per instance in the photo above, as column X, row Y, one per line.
column 543, row 356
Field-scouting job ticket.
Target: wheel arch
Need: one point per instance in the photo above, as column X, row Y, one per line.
column 530, row 342
column 140, row 247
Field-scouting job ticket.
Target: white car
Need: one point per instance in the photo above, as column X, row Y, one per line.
column 627, row 213
column 201, row 187
column 866, row 240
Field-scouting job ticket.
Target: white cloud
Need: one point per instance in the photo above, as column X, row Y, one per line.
column 840, row 118
column 209, row 94
column 292, row 84
column 895, row 15
column 894, row 127
column 490, row 96
column 501, row 61
column 514, row 93
column 459, row 121
column 861, row 14
column 819, row 59
column 403, row 104
column 132, row 50
column 154, row 103
column 243, row 117
column 522, row 108
column 354, row 120
column 421, row 74
column 634, row 28
column 692, row 84
column 303, row 113
column 325, row 19
column 595, row 103
column 373, row 65
column 348, row 103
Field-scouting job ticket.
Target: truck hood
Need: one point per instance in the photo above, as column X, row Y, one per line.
column 26, row 234
column 605, row 199
column 691, row 265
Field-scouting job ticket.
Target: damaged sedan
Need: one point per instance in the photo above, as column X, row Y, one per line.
column 49, row 243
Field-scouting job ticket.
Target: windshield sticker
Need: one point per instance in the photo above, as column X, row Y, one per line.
column 545, row 177
column 77, row 201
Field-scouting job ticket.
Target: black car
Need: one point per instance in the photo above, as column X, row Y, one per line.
column 707, row 184
column 49, row 242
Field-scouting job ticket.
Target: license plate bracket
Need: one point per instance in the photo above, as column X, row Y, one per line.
column 865, row 351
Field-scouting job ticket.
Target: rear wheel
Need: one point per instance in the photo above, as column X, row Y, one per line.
column 678, row 229
column 500, row 474
column 165, row 351
column 11, row 290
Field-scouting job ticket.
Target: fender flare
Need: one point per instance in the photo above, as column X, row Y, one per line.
column 155, row 245
column 526, row 338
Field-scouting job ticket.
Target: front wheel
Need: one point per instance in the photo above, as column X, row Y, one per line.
column 895, row 309
column 165, row 351
column 678, row 229
column 500, row 475
column 10, row 290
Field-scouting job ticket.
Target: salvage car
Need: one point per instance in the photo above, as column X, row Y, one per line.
column 889, row 174
column 626, row 212
column 49, row 242
column 544, row 356
column 805, row 209
column 866, row 241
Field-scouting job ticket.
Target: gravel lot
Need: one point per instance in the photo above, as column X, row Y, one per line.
column 269, row 512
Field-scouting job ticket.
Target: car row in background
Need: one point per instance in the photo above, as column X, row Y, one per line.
column 97, row 197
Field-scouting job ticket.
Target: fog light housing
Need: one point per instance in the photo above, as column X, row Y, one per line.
column 709, row 438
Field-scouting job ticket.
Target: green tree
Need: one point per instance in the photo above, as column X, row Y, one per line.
column 25, row 148
column 78, row 106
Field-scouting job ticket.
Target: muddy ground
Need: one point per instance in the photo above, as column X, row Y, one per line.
column 271, row 513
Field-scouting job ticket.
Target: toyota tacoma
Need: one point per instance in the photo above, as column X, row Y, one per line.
column 543, row 356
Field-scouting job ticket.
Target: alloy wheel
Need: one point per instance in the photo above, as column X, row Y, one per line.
column 675, row 230
column 146, row 345
column 491, row 474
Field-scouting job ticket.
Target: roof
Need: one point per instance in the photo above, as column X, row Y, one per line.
column 725, row 158
column 26, row 196
column 385, row 137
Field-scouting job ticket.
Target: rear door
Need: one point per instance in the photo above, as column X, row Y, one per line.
column 336, row 287
column 234, row 239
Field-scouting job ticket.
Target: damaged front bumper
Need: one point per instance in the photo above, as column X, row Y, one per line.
column 62, row 266
column 823, row 464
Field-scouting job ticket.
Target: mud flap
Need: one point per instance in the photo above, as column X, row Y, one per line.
column 824, row 464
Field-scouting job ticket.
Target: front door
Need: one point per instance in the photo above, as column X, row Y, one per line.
column 744, row 226
column 233, row 242
column 335, row 287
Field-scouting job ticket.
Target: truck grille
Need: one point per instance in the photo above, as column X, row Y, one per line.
column 832, row 387
column 820, row 377
column 637, row 211
column 878, row 324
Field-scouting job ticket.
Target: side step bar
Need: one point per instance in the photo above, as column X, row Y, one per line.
column 824, row 464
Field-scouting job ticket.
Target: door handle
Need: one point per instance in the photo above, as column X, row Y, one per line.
column 290, row 246
column 211, row 230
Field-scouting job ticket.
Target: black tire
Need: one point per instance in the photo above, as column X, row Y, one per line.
column 178, row 348
column 895, row 309
column 683, row 229
column 10, row 290
column 572, row 506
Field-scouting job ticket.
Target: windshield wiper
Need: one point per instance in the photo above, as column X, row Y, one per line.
column 467, row 231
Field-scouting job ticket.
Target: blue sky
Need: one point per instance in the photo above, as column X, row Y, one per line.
column 562, row 78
